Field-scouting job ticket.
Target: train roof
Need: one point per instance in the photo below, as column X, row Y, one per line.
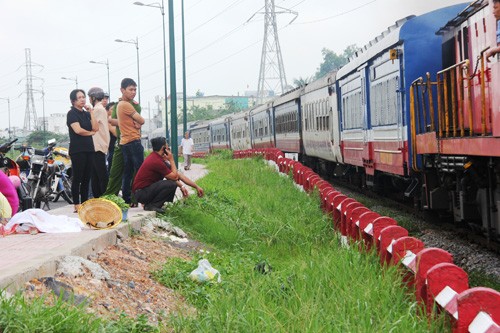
column 321, row 82
column 462, row 16
column 200, row 124
column 380, row 43
column 288, row 96
column 238, row 115
column 220, row 120
column 397, row 33
column 260, row 108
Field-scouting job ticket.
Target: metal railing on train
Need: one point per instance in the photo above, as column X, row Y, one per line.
column 454, row 102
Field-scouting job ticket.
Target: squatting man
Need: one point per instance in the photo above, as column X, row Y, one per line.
column 150, row 186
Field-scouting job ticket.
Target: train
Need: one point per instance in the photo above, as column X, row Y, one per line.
column 413, row 113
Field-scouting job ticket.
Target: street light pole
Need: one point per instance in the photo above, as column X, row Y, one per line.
column 162, row 9
column 184, row 96
column 8, row 110
column 173, row 86
column 107, row 67
column 136, row 43
column 71, row 79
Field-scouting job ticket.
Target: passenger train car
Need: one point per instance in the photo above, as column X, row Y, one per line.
column 239, row 131
column 262, row 126
column 373, row 93
column 286, row 116
column 413, row 113
column 219, row 134
column 200, row 133
column 320, row 123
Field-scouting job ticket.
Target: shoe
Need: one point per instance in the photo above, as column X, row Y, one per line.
column 154, row 209
column 77, row 208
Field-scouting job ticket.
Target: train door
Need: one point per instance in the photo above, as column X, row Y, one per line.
column 482, row 31
column 228, row 134
column 387, row 115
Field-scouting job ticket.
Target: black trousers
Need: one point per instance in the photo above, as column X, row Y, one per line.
column 82, row 164
column 99, row 178
column 155, row 195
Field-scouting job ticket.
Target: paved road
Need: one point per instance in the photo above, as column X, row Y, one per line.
column 54, row 205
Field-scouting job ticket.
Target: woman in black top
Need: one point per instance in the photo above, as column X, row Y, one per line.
column 82, row 126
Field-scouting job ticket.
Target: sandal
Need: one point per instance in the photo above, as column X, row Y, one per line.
column 77, row 207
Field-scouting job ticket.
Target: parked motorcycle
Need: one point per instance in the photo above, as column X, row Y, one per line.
column 11, row 168
column 48, row 179
column 62, row 180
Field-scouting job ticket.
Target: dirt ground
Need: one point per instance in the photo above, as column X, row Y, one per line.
column 131, row 288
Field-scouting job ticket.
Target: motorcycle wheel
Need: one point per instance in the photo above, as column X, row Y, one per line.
column 37, row 201
column 66, row 192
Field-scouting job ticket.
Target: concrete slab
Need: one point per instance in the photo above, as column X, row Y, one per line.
column 25, row 257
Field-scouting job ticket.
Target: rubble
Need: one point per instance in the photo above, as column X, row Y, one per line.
column 119, row 279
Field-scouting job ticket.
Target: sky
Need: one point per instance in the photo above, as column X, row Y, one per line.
column 223, row 47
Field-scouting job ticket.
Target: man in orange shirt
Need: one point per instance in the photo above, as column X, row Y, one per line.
column 129, row 122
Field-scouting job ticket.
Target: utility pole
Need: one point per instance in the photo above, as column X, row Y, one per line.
column 272, row 71
column 30, row 119
column 173, row 86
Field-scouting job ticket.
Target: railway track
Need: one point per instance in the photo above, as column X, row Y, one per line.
column 470, row 250
column 466, row 231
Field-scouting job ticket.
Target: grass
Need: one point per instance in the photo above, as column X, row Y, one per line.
column 281, row 264
column 20, row 315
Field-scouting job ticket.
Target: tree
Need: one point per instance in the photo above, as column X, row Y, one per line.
column 302, row 82
column 333, row 61
column 204, row 113
column 39, row 138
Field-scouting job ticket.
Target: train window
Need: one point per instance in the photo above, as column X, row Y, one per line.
column 359, row 117
column 466, row 42
column 460, row 45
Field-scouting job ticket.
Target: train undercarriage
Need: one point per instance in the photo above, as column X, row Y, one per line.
column 465, row 187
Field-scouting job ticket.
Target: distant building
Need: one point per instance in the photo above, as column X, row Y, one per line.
column 56, row 123
column 217, row 102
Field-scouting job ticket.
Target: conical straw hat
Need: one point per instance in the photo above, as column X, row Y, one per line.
column 100, row 213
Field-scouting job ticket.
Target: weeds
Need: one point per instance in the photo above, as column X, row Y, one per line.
column 252, row 218
column 20, row 315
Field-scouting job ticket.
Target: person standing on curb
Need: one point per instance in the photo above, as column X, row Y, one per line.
column 150, row 188
column 129, row 122
column 99, row 177
column 187, row 146
column 105, row 100
column 81, row 126
column 116, row 170
column 112, row 137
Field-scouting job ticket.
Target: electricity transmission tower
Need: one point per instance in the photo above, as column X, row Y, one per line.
column 272, row 71
column 30, row 119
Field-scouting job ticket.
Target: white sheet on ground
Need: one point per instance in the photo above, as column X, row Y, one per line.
column 44, row 222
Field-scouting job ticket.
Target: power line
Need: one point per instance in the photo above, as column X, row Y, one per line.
column 337, row 15
column 215, row 16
